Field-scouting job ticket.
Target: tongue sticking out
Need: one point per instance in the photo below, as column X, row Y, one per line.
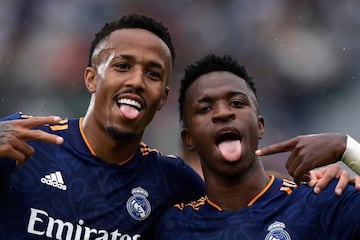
column 230, row 150
column 129, row 111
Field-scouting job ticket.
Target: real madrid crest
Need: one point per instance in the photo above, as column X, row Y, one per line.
column 277, row 232
column 137, row 205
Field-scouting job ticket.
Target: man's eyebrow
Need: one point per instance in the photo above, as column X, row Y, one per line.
column 132, row 58
column 156, row 64
column 229, row 94
column 125, row 56
column 203, row 99
column 233, row 93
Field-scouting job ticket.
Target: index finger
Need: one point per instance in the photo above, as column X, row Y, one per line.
column 39, row 121
column 27, row 132
column 280, row 147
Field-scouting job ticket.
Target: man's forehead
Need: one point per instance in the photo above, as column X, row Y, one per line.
column 214, row 81
column 219, row 84
column 129, row 41
column 138, row 37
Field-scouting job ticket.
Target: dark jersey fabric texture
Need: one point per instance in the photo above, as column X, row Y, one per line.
column 282, row 211
column 66, row 192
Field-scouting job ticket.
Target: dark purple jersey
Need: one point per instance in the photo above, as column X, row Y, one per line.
column 65, row 192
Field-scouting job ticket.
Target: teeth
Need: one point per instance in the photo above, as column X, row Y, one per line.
column 129, row 102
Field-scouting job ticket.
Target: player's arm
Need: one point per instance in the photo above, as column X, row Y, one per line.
column 312, row 151
column 14, row 135
column 308, row 151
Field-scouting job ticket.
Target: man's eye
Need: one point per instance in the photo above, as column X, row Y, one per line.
column 204, row 109
column 154, row 75
column 122, row 66
column 237, row 103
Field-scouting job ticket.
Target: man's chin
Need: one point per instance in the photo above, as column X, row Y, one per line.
column 119, row 135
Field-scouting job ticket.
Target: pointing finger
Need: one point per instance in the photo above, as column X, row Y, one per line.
column 280, row 147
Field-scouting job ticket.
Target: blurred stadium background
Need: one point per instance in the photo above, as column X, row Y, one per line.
column 303, row 55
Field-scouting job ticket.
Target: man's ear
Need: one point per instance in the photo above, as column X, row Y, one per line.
column 261, row 126
column 163, row 98
column 187, row 139
column 90, row 79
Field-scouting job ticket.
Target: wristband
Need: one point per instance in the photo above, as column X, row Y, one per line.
column 351, row 156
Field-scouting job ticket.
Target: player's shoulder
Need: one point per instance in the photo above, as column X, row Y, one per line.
column 167, row 163
column 285, row 185
column 174, row 170
column 330, row 189
column 14, row 116
column 155, row 154
column 61, row 126
column 191, row 206
column 187, row 210
column 175, row 220
column 327, row 195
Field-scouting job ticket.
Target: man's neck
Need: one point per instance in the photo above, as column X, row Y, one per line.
column 108, row 149
column 237, row 193
column 115, row 152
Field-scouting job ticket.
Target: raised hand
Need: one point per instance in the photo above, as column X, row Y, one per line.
column 14, row 135
column 321, row 177
column 308, row 152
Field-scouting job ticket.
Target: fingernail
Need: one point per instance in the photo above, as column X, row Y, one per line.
column 311, row 183
column 338, row 191
column 316, row 190
column 59, row 140
column 19, row 163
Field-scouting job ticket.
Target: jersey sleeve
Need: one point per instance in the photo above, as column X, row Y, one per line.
column 192, row 184
column 167, row 226
column 182, row 180
column 14, row 116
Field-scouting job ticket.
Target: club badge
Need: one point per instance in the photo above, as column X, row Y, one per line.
column 277, row 232
column 137, row 205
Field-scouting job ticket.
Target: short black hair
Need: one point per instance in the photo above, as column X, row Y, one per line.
column 211, row 63
column 133, row 21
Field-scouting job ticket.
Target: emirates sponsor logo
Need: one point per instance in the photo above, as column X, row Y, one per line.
column 41, row 224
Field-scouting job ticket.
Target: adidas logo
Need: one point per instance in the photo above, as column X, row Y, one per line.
column 54, row 179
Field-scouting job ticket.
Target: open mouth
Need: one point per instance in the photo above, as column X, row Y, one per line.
column 129, row 102
column 129, row 108
column 227, row 136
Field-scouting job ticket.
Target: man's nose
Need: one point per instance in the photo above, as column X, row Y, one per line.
column 222, row 112
column 136, row 79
